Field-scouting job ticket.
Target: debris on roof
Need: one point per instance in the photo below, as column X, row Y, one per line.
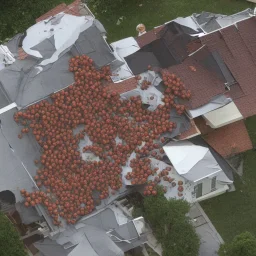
column 6, row 57
column 210, row 22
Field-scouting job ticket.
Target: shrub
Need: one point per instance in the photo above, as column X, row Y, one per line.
column 10, row 243
column 242, row 245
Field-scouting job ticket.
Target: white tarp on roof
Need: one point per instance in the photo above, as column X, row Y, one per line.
column 191, row 161
column 217, row 102
column 126, row 46
column 64, row 28
column 123, row 48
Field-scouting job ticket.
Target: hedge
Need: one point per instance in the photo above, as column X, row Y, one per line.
column 10, row 243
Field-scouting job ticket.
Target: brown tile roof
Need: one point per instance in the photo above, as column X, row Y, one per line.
column 124, row 86
column 237, row 47
column 203, row 84
column 21, row 54
column 192, row 131
column 72, row 9
column 230, row 139
column 235, row 44
column 148, row 37
column 52, row 12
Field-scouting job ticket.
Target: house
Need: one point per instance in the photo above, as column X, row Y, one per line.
column 106, row 232
column 192, row 153
column 221, row 94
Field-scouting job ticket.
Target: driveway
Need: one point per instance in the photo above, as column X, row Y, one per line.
column 210, row 238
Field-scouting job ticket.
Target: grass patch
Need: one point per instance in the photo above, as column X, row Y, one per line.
column 234, row 213
column 154, row 13
column 18, row 15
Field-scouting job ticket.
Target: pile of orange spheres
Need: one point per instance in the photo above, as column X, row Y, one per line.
column 66, row 182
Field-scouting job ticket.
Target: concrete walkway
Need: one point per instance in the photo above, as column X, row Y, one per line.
column 210, row 238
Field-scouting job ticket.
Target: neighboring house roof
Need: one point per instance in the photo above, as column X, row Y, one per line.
column 14, row 176
column 210, row 22
column 37, row 80
column 230, row 139
column 232, row 43
column 99, row 234
column 72, row 9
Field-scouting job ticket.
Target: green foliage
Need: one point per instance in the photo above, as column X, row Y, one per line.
column 171, row 227
column 106, row 6
column 137, row 212
column 181, row 240
column 18, row 15
column 242, row 245
column 10, row 244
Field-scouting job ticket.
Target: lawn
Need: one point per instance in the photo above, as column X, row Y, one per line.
column 153, row 13
column 235, row 212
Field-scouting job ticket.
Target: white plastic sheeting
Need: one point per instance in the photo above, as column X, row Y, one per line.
column 217, row 102
column 123, row 48
column 64, row 28
column 151, row 96
column 151, row 76
column 192, row 162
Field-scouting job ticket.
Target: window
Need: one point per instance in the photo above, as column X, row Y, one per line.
column 198, row 190
column 213, row 183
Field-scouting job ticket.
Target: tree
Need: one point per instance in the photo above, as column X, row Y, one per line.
column 242, row 245
column 10, row 243
column 170, row 225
